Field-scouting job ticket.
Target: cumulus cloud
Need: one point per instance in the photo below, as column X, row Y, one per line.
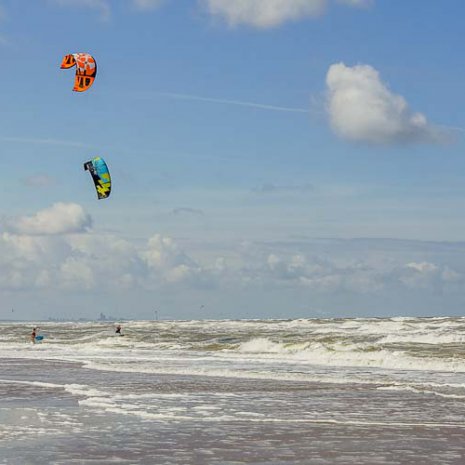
column 21, row 261
column 60, row 218
column 75, row 273
column 366, row 271
column 162, row 252
column 424, row 275
column 336, row 273
column 362, row 108
column 167, row 262
column 89, row 262
column 22, row 248
column 59, row 262
column 43, row 251
column 323, row 275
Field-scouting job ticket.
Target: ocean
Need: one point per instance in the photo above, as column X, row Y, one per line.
column 306, row 391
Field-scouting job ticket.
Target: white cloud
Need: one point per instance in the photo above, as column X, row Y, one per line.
column 422, row 268
column 76, row 274
column 43, row 252
column 43, row 280
column 362, row 108
column 323, row 275
column 166, row 262
column 60, row 218
column 331, row 271
column 257, row 13
column 147, row 4
column 162, row 251
column 21, row 260
column 270, row 13
column 264, row 13
column 426, row 275
column 293, row 267
column 179, row 273
column 21, row 247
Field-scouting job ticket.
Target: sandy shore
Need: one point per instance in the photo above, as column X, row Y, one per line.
column 61, row 413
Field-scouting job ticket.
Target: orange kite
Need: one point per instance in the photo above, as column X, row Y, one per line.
column 86, row 69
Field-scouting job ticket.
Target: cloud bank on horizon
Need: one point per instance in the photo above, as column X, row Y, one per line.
column 56, row 250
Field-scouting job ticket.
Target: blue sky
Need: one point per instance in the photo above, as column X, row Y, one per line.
column 269, row 158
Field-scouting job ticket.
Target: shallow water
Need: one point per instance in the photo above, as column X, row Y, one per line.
column 380, row 391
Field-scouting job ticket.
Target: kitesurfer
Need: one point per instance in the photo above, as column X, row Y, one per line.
column 33, row 335
column 118, row 330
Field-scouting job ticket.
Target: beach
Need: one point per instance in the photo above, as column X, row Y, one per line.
column 361, row 391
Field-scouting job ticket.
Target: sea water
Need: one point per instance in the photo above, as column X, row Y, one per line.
column 307, row 391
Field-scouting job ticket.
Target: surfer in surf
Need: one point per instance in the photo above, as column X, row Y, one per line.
column 33, row 335
column 118, row 330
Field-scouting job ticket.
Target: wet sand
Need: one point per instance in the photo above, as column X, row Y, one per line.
column 74, row 415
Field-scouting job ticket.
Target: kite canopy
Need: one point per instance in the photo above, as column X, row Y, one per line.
column 86, row 69
column 100, row 175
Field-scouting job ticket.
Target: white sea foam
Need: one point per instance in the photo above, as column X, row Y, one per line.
column 353, row 355
column 301, row 350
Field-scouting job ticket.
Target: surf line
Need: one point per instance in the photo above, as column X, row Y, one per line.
column 358, row 423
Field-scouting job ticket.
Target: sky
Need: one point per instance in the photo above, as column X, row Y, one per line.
column 269, row 159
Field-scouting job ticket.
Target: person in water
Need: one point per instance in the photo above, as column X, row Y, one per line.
column 33, row 335
column 118, row 330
